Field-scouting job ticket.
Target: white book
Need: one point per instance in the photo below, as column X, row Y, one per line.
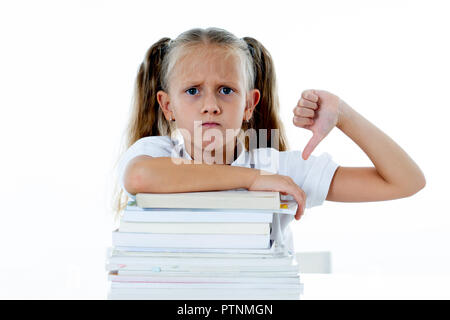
column 190, row 240
column 238, row 286
column 201, row 296
column 191, row 268
column 232, row 200
column 224, row 199
column 202, row 279
column 204, row 294
column 136, row 214
column 211, row 273
column 193, row 227
column 273, row 249
column 175, row 261
column 129, row 253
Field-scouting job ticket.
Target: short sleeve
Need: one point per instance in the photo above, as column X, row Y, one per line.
column 154, row 146
column 313, row 175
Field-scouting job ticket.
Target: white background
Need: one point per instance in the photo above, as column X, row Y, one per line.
column 67, row 70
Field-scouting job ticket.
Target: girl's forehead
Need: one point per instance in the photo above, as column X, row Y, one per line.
column 200, row 64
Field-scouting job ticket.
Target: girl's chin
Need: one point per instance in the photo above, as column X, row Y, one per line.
column 213, row 142
column 211, row 145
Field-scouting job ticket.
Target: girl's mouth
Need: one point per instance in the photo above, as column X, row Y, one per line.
column 210, row 124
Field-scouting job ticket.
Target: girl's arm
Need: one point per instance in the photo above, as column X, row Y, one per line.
column 165, row 175
column 145, row 174
column 394, row 175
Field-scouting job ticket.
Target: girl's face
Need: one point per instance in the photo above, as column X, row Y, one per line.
column 208, row 85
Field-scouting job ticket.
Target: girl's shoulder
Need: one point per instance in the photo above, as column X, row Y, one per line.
column 155, row 146
column 154, row 142
column 160, row 140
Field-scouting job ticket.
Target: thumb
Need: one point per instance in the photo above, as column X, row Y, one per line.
column 312, row 144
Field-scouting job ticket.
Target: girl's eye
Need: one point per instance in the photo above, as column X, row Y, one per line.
column 192, row 91
column 226, row 88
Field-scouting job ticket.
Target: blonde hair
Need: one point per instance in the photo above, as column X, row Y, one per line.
column 154, row 74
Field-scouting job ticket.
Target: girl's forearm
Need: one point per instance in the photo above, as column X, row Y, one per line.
column 164, row 175
column 391, row 162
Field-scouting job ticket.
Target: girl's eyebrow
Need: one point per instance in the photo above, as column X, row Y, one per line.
column 198, row 83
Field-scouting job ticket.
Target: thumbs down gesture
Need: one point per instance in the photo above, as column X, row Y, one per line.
column 318, row 111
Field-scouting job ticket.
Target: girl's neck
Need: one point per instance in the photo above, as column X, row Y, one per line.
column 226, row 156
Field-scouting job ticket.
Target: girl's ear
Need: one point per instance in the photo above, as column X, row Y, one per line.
column 164, row 102
column 253, row 99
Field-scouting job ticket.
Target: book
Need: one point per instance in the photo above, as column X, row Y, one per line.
column 133, row 213
column 193, row 227
column 134, row 252
column 224, row 199
column 114, row 276
column 196, row 261
column 230, row 273
column 191, row 240
column 192, row 285
column 204, row 294
column 274, row 248
column 199, row 269
column 203, row 245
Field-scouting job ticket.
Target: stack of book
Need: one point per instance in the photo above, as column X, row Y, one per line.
column 202, row 245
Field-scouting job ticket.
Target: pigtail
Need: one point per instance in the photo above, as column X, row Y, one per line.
column 146, row 117
column 266, row 114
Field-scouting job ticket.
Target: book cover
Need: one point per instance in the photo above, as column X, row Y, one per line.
column 204, row 294
column 132, row 252
column 191, row 285
column 196, row 261
column 191, row 240
column 230, row 273
column 114, row 276
column 196, row 228
column 225, row 199
column 133, row 213
column 199, row 269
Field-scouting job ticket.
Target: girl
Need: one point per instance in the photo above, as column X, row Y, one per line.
column 212, row 88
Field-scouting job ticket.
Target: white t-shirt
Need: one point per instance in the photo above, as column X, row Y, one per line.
column 313, row 175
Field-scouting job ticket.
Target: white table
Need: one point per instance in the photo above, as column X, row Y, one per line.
column 78, row 274
column 375, row 286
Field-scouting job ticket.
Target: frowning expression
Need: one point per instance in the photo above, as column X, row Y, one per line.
column 207, row 90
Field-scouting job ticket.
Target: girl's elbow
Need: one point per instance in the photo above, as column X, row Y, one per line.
column 136, row 179
column 421, row 182
column 415, row 186
column 132, row 182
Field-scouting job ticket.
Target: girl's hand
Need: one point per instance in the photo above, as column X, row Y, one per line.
column 283, row 184
column 318, row 111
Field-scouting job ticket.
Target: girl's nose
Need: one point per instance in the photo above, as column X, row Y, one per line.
column 210, row 105
column 211, row 109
